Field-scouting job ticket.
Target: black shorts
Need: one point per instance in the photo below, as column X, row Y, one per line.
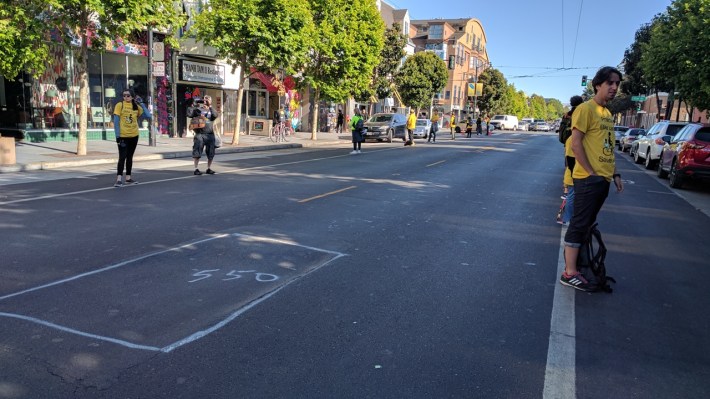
column 203, row 142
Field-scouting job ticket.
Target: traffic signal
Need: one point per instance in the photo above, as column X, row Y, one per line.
column 638, row 106
column 584, row 80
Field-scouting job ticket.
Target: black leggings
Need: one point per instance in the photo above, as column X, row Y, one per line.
column 126, row 149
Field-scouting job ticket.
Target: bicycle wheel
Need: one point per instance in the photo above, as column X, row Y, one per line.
column 288, row 131
column 274, row 134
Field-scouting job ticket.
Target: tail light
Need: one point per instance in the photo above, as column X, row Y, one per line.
column 659, row 141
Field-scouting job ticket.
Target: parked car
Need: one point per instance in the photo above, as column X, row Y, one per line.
column 648, row 149
column 522, row 125
column 542, row 127
column 504, row 122
column 423, row 128
column 386, row 127
column 533, row 124
column 619, row 133
column 629, row 137
column 686, row 155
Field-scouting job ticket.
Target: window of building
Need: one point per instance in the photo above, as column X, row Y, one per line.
column 448, row 94
column 436, row 32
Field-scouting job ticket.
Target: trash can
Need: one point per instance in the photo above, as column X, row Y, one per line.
column 7, row 151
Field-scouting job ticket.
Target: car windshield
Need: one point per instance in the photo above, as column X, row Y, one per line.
column 498, row 117
column 621, row 128
column 635, row 132
column 380, row 118
column 421, row 122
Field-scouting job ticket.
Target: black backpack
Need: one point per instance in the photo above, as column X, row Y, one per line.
column 591, row 258
column 565, row 129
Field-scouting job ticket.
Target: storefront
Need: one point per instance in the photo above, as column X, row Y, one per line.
column 198, row 77
column 47, row 108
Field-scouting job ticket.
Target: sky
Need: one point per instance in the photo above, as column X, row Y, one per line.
column 528, row 40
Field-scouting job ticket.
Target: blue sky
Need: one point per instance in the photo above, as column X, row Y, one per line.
column 530, row 37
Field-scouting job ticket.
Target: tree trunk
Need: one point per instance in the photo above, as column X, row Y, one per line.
column 240, row 96
column 658, row 104
column 83, row 93
column 670, row 103
column 314, row 117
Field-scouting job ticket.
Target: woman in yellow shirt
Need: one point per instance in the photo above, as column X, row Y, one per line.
column 125, row 125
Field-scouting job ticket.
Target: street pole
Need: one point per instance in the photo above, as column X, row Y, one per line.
column 151, row 91
column 475, row 91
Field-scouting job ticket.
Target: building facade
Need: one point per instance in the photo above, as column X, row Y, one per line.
column 461, row 43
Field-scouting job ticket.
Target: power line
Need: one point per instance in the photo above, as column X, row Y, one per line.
column 579, row 18
column 563, row 32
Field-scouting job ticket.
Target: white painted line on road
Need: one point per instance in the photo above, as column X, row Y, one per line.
column 560, row 373
column 193, row 337
column 77, row 332
column 326, row 194
column 435, row 163
column 117, row 265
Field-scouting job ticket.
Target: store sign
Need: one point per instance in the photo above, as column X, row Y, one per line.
column 158, row 69
column 199, row 72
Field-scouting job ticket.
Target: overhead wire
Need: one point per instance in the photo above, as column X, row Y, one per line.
column 579, row 18
column 563, row 32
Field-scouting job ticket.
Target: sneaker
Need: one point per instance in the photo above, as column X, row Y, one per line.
column 118, row 184
column 210, row 172
column 197, row 172
column 359, row 151
column 131, row 181
column 559, row 221
column 576, row 281
column 353, row 152
column 563, row 196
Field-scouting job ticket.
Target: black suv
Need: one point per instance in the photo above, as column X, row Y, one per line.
column 385, row 127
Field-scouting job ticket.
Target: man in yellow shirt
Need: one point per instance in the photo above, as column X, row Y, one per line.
column 592, row 143
column 411, row 124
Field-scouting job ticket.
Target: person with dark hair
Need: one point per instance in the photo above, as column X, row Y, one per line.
column 204, row 140
column 357, row 127
column 567, row 181
column 339, row 123
column 592, row 143
column 125, row 125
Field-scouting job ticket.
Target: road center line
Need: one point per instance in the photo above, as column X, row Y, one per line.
column 326, row 194
column 435, row 163
column 560, row 373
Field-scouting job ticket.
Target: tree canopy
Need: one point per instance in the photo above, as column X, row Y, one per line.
column 259, row 34
column 422, row 76
column 348, row 47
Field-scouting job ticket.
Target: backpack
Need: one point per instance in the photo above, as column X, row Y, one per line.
column 565, row 129
column 198, row 122
column 591, row 257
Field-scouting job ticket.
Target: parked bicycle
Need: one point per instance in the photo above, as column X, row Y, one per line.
column 280, row 132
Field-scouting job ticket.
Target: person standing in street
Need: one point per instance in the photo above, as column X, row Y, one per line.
column 411, row 125
column 356, row 129
column 204, row 140
column 125, row 126
column 479, row 127
column 452, row 125
column 566, row 124
column 592, row 143
column 434, row 127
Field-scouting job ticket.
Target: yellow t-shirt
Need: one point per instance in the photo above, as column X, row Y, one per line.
column 597, row 125
column 411, row 121
column 129, row 118
column 567, row 178
column 435, row 118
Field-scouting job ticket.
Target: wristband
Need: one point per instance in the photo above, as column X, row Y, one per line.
column 615, row 175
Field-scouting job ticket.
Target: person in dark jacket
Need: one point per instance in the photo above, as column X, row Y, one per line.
column 204, row 140
column 357, row 128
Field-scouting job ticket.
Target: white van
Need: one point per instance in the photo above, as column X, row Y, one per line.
column 505, row 122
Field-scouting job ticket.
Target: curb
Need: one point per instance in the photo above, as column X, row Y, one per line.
column 226, row 149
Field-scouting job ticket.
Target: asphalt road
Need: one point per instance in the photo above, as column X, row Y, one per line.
column 421, row 272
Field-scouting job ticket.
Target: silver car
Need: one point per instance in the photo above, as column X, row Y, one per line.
column 422, row 129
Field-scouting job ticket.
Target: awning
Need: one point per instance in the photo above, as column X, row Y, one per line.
column 267, row 79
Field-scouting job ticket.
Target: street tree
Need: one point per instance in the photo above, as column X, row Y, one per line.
column 658, row 58
column 634, row 82
column 349, row 39
column 390, row 58
column 555, row 109
column 538, row 106
column 493, row 100
column 517, row 102
column 27, row 24
column 687, row 28
column 257, row 35
column 422, row 76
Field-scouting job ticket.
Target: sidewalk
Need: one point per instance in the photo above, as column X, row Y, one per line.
column 57, row 154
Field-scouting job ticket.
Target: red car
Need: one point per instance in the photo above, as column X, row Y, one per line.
column 686, row 155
